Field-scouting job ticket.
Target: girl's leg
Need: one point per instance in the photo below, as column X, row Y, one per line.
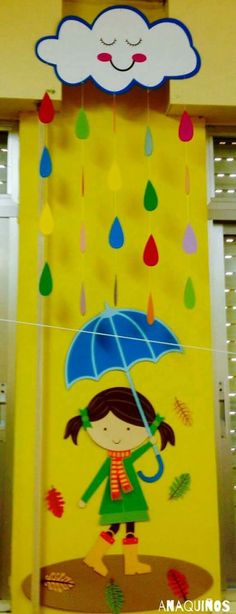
column 130, row 548
column 94, row 558
column 130, row 528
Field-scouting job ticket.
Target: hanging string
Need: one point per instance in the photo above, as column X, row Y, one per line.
column 150, row 201
column 189, row 244
column 116, row 237
column 82, row 131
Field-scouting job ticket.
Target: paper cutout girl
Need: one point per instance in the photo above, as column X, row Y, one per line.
column 113, row 421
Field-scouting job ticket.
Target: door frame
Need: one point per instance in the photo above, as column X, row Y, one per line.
column 9, row 211
column 216, row 232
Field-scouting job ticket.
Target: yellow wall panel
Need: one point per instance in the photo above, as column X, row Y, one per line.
column 23, row 77
column 212, row 91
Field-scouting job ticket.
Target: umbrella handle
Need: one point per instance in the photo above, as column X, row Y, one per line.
column 157, row 475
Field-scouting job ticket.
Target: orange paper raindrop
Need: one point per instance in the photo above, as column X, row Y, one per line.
column 83, row 239
column 150, row 310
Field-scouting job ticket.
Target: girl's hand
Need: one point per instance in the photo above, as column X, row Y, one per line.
column 81, row 503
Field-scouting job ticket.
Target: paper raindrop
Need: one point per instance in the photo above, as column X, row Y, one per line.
column 82, row 301
column 116, row 235
column 185, row 127
column 46, row 221
column 148, row 146
column 150, row 310
column 46, row 110
column 187, row 181
column 189, row 240
column 45, row 282
column 115, row 291
column 82, row 125
column 150, row 197
column 83, row 239
column 45, row 167
column 189, row 295
column 150, row 254
column 114, row 178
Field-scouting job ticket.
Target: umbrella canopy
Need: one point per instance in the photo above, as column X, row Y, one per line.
column 117, row 339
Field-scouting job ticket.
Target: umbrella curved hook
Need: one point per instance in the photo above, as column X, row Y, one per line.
column 157, row 475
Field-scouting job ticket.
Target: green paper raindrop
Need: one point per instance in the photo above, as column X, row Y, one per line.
column 150, row 197
column 45, row 282
column 82, row 125
column 189, row 295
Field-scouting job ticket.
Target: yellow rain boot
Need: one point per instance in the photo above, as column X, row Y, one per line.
column 95, row 556
column 132, row 563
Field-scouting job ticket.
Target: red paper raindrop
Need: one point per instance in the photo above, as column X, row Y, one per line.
column 46, row 110
column 185, row 127
column 150, row 254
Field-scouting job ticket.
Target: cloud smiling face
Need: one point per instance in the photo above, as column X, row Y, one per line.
column 119, row 49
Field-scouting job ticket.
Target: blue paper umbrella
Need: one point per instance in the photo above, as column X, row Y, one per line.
column 117, row 339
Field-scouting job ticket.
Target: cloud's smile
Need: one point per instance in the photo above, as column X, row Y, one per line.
column 164, row 50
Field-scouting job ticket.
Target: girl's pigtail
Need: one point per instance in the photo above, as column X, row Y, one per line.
column 167, row 435
column 73, row 428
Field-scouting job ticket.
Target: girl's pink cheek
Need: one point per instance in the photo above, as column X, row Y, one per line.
column 104, row 57
column 139, row 57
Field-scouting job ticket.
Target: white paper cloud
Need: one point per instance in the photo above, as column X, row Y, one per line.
column 119, row 49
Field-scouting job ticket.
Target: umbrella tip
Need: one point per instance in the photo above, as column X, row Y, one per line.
column 109, row 311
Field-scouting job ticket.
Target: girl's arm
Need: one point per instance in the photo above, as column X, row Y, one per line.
column 97, row 480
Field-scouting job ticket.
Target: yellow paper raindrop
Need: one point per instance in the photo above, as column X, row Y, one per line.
column 114, row 178
column 46, row 221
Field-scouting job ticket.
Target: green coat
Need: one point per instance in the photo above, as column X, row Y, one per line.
column 132, row 507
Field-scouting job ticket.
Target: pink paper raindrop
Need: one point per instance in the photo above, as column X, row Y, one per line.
column 189, row 240
column 83, row 239
column 82, row 301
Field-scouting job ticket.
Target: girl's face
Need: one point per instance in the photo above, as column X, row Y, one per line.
column 114, row 434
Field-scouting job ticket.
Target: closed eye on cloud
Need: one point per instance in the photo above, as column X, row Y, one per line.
column 108, row 44
column 115, row 40
column 133, row 44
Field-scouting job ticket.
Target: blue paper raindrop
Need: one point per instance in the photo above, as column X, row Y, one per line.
column 116, row 235
column 45, row 168
column 148, row 142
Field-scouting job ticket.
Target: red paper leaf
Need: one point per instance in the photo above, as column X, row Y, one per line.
column 46, row 110
column 55, row 502
column 178, row 584
column 150, row 254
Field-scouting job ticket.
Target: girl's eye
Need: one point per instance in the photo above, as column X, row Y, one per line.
column 105, row 428
column 133, row 44
column 108, row 44
column 128, row 428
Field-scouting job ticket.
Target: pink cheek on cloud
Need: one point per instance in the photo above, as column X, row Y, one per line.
column 139, row 57
column 104, row 57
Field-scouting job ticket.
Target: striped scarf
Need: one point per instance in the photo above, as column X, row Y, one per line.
column 118, row 476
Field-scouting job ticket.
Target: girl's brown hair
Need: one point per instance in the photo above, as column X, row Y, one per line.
column 121, row 403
